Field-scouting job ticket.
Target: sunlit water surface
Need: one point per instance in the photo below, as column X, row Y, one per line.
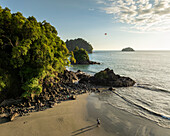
column 150, row 97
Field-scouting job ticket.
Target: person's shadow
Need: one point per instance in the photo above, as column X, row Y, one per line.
column 83, row 130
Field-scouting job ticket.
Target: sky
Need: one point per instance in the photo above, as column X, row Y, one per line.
column 140, row 24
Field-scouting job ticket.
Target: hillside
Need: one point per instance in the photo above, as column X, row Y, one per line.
column 30, row 52
column 81, row 43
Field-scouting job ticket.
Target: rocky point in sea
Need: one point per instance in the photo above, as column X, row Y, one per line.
column 108, row 78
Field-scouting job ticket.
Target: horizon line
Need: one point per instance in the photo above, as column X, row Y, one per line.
column 121, row 50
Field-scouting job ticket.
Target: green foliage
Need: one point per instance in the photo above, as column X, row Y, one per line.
column 72, row 58
column 80, row 43
column 29, row 50
column 2, row 84
column 31, row 86
column 76, row 48
column 81, row 56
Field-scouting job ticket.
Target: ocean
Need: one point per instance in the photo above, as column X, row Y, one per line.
column 150, row 96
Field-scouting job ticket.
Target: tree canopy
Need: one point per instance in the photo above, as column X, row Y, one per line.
column 80, row 43
column 81, row 56
column 29, row 50
column 72, row 58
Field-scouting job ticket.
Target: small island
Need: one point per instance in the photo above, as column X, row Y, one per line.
column 128, row 49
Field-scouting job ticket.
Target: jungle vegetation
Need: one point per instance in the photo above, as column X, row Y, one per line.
column 80, row 43
column 30, row 51
column 81, row 56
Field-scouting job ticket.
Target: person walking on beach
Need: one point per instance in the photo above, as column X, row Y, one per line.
column 98, row 122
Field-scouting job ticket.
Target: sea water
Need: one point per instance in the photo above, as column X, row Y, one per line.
column 150, row 96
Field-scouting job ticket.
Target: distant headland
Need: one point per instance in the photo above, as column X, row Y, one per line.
column 128, row 49
column 80, row 43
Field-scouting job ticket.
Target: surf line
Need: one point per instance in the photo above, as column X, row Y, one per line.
column 151, row 88
column 139, row 106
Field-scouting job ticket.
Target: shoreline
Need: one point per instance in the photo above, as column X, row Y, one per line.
column 118, row 122
column 78, row 117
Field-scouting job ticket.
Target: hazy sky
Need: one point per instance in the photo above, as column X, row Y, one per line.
column 140, row 24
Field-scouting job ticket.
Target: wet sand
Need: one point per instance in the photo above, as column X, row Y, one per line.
column 117, row 122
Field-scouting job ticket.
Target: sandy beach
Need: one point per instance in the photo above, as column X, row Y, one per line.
column 78, row 118
column 69, row 118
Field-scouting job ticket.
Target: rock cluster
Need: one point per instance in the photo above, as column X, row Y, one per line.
column 93, row 62
column 108, row 78
column 52, row 94
column 55, row 91
column 87, row 63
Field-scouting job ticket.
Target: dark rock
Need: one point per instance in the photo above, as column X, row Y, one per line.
column 82, row 75
column 128, row 49
column 68, row 77
column 9, row 102
column 78, row 71
column 111, row 89
column 85, row 79
column 93, row 62
column 73, row 97
column 61, row 90
column 108, row 78
column 28, row 104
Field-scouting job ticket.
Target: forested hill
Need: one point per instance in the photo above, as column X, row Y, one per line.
column 30, row 52
column 81, row 43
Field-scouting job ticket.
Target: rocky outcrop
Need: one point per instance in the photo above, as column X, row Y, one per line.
column 93, row 62
column 87, row 63
column 128, row 49
column 81, row 56
column 68, row 76
column 108, row 78
column 53, row 93
column 61, row 90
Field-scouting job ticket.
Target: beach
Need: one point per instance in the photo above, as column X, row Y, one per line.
column 117, row 122
column 78, row 117
column 69, row 118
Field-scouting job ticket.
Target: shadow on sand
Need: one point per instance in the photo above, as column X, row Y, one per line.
column 83, row 130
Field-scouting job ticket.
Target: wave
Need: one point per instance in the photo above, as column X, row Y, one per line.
column 152, row 88
column 142, row 107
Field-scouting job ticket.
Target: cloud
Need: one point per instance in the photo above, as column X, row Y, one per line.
column 142, row 15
